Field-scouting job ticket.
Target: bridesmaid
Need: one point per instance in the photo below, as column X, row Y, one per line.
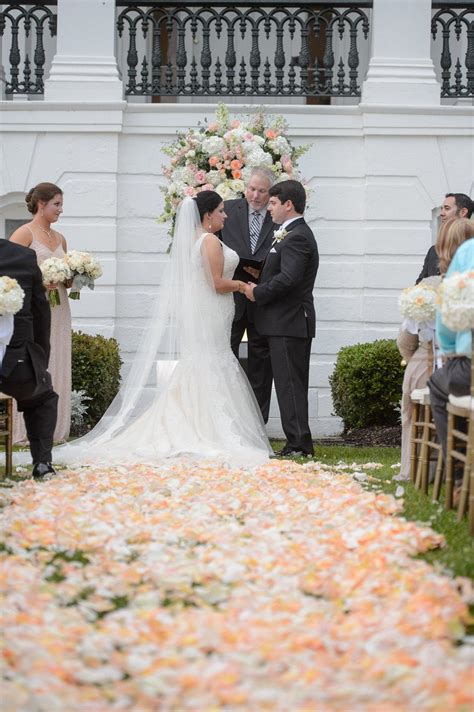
column 45, row 202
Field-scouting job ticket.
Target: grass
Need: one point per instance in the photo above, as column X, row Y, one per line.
column 456, row 558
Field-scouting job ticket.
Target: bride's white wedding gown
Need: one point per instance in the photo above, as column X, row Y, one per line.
column 206, row 410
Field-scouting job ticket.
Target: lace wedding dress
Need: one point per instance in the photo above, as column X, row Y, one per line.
column 205, row 408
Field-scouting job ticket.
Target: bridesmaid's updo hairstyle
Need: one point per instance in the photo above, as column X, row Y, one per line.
column 43, row 192
column 207, row 201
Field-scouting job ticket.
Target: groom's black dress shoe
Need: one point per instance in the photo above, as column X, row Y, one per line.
column 43, row 470
column 289, row 451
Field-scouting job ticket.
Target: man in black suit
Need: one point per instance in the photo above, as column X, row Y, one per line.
column 249, row 231
column 285, row 314
column 23, row 372
column 455, row 205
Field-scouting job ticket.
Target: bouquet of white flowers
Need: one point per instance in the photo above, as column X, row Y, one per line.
column 85, row 269
column 221, row 155
column 11, row 296
column 457, row 301
column 55, row 270
column 419, row 302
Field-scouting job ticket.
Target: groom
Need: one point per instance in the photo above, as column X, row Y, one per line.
column 284, row 313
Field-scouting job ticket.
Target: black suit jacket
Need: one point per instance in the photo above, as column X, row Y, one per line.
column 430, row 265
column 284, row 297
column 235, row 234
column 33, row 322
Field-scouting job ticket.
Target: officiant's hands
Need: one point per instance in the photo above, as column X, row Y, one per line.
column 248, row 291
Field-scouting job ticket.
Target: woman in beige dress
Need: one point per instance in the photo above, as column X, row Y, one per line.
column 45, row 202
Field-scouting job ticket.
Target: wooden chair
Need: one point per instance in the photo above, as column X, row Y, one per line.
column 417, row 423
column 460, row 448
column 430, row 449
column 6, row 430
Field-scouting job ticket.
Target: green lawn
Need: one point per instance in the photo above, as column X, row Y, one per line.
column 457, row 557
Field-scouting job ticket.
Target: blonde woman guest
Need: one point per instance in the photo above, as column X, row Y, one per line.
column 45, row 202
column 416, row 352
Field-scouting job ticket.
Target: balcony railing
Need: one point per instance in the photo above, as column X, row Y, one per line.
column 24, row 25
column 455, row 26
column 255, row 49
column 261, row 48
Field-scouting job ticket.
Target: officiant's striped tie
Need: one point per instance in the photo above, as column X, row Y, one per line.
column 255, row 225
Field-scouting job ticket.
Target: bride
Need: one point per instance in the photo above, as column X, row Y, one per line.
column 185, row 393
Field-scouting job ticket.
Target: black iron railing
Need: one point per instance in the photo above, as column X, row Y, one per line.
column 453, row 22
column 25, row 24
column 258, row 48
column 296, row 48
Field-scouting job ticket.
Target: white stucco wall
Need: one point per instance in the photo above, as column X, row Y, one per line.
column 377, row 175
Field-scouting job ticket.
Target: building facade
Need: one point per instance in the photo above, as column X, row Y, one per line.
column 379, row 163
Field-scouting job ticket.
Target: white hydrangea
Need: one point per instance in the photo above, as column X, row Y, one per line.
column 457, row 301
column 213, row 145
column 11, row 296
column 258, row 157
column 280, row 145
column 213, row 177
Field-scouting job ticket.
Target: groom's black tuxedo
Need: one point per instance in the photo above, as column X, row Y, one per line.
column 236, row 235
column 23, row 372
column 285, row 316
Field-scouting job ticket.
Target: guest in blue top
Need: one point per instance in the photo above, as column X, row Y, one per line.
column 455, row 376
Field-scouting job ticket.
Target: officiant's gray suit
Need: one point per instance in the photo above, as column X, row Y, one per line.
column 236, row 235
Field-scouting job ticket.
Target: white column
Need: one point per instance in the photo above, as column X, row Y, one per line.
column 401, row 71
column 85, row 68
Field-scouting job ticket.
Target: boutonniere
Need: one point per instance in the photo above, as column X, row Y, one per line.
column 279, row 235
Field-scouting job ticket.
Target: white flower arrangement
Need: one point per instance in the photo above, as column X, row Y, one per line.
column 280, row 234
column 220, row 156
column 11, row 296
column 418, row 302
column 457, row 301
column 85, row 269
column 55, row 270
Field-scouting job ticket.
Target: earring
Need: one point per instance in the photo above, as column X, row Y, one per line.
column 42, row 212
column 210, row 226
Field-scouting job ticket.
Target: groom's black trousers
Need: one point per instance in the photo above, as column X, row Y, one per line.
column 290, row 357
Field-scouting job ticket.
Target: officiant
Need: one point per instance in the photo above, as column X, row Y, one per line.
column 249, row 231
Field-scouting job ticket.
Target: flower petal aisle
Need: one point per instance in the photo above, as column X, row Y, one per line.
column 197, row 588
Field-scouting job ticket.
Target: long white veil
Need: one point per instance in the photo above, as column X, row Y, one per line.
column 183, row 327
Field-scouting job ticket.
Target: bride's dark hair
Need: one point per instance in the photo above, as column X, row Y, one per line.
column 207, row 201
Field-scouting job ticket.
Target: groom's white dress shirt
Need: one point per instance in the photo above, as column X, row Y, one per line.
column 6, row 331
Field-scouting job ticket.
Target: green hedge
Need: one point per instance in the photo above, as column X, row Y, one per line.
column 96, row 366
column 366, row 384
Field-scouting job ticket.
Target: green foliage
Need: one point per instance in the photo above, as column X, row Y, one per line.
column 366, row 384
column 96, row 371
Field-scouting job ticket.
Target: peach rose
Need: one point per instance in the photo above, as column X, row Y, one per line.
column 235, row 165
column 271, row 134
column 236, row 174
column 235, row 124
column 213, row 161
column 213, row 127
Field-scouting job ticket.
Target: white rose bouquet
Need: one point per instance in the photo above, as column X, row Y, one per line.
column 85, row 269
column 457, row 301
column 418, row 302
column 55, row 270
column 11, row 296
